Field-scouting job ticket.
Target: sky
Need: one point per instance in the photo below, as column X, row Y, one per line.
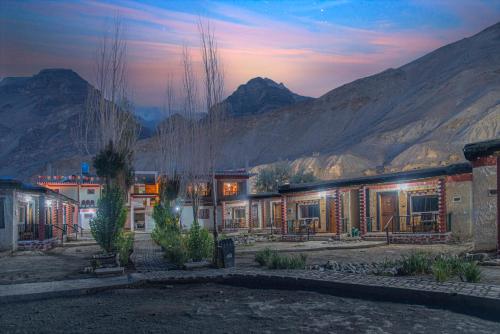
column 310, row 46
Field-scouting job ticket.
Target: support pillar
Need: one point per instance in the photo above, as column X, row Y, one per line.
column 284, row 225
column 42, row 215
column 362, row 211
column 442, row 205
column 336, row 201
column 249, row 220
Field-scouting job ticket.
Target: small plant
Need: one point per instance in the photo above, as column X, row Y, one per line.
column 124, row 246
column 277, row 261
column 262, row 257
column 199, row 243
column 442, row 269
column 417, row 263
column 470, row 272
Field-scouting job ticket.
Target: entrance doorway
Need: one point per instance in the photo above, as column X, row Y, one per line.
column 276, row 218
column 140, row 220
column 388, row 208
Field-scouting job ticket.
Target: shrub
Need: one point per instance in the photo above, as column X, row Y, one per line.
column 199, row 242
column 125, row 245
column 110, row 219
column 417, row 263
column 262, row 257
column 470, row 272
column 277, row 261
column 175, row 249
column 442, row 269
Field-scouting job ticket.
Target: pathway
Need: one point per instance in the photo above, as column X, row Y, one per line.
column 147, row 255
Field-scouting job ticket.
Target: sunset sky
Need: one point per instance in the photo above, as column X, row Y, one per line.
column 310, row 46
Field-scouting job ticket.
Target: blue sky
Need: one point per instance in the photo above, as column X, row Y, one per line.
column 310, row 46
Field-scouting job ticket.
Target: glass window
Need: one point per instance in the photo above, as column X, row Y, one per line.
column 204, row 213
column 230, row 188
column 239, row 213
column 90, row 191
column 309, row 211
column 425, row 203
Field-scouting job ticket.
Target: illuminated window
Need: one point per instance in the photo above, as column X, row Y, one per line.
column 201, row 189
column 230, row 188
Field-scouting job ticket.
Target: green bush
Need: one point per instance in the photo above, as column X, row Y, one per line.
column 199, row 243
column 124, row 246
column 262, row 257
column 110, row 219
column 470, row 272
column 175, row 248
column 442, row 269
column 417, row 263
column 277, row 261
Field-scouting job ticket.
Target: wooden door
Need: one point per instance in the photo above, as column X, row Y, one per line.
column 277, row 215
column 388, row 208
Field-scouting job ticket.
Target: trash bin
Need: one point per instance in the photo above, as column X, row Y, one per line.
column 226, row 253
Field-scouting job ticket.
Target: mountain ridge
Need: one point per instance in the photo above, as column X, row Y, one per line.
column 414, row 116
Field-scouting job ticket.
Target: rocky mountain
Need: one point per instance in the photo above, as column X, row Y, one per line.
column 36, row 117
column 418, row 115
column 261, row 95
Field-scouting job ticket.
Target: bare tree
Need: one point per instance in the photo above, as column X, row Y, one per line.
column 214, row 122
column 190, row 134
column 166, row 136
column 108, row 119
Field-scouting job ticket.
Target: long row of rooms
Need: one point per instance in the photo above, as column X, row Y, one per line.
column 456, row 202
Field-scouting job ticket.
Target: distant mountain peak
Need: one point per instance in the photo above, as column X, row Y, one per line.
column 261, row 95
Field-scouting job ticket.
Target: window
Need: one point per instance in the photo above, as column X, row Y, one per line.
column 309, row 211
column 22, row 214
column 239, row 213
column 457, row 199
column 492, row 192
column 88, row 215
column 203, row 213
column 426, row 203
column 90, row 191
column 2, row 213
column 230, row 188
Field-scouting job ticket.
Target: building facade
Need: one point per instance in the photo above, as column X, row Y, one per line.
column 84, row 189
column 34, row 217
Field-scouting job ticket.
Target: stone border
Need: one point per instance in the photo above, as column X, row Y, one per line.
column 478, row 300
column 301, row 250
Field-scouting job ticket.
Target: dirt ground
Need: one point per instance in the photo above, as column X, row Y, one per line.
column 35, row 266
column 67, row 263
column 215, row 308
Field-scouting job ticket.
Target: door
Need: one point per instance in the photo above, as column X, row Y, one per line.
column 388, row 209
column 276, row 215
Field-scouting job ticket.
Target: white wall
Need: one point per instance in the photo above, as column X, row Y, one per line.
column 187, row 217
column 8, row 235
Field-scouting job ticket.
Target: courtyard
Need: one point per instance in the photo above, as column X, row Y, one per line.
column 214, row 308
